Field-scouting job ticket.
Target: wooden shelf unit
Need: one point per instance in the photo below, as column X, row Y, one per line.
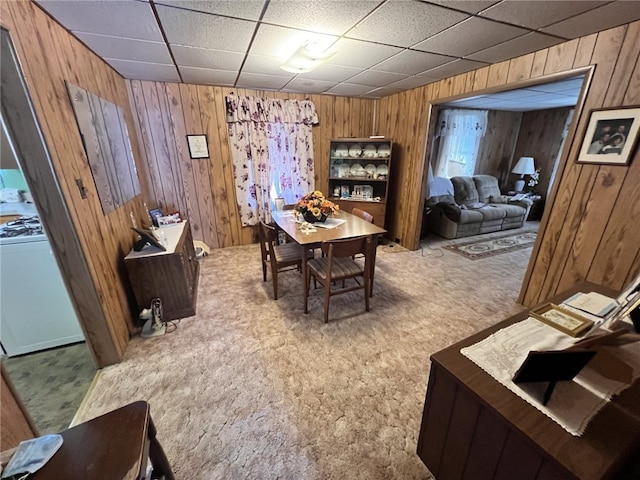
column 347, row 152
column 171, row 275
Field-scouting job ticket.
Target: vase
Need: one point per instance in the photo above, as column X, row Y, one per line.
column 311, row 218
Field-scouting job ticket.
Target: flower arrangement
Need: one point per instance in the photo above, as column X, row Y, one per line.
column 534, row 178
column 313, row 206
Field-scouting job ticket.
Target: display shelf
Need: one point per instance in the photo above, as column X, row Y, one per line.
column 360, row 165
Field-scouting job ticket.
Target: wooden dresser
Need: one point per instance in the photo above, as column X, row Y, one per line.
column 475, row 428
column 171, row 275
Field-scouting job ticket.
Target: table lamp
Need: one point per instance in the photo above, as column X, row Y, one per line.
column 525, row 166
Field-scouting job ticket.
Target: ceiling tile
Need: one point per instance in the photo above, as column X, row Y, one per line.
column 382, row 92
column 470, row 36
column 349, row 90
column 266, row 82
column 412, row 82
column 595, row 20
column 306, row 85
column 144, row 71
column 403, row 23
column 331, row 73
column 246, row 9
column 453, row 68
column 127, row 48
column 282, row 42
column 329, row 16
column 411, row 62
column 205, row 58
column 471, row 6
column 185, row 27
column 264, row 66
column 376, row 78
column 114, row 17
column 358, row 54
column 205, row 76
column 538, row 14
column 514, row 48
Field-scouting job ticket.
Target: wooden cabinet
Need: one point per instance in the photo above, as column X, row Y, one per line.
column 359, row 175
column 171, row 275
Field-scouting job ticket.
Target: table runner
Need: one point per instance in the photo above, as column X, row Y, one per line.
column 573, row 404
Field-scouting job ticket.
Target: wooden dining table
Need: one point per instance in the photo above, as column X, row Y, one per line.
column 351, row 227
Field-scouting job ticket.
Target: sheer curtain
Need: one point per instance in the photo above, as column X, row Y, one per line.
column 459, row 132
column 272, row 149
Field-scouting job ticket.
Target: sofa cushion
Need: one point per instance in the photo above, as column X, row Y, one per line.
column 465, row 190
column 512, row 210
column 492, row 212
column 486, row 187
column 470, row 216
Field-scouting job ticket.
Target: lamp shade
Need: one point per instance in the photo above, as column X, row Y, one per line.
column 525, row 166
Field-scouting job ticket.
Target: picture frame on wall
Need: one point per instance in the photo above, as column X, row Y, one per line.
column 611, row 137
column 198, row 146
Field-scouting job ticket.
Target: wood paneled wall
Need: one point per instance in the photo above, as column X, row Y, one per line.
column 540, row 137
column 49, row 55
column 497, row 145
column 203, row 190
column 589, row 229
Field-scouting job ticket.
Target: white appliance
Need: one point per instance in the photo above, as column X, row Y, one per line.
column 35, row 310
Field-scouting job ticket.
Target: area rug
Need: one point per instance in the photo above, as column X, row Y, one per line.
column 484, row 248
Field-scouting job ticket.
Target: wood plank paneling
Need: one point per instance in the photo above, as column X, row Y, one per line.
column 585, row 198
column 49, row 55
column 497, row 146
column 165, row 113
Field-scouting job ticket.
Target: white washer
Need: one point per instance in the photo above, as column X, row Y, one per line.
column 35, row 310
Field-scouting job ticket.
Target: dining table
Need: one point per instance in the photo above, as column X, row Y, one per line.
column 339, row 226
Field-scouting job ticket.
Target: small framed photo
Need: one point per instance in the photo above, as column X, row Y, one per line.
column 198, row 146
column 611, row 137
column 564, row 320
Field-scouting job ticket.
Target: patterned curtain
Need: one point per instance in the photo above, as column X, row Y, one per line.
column 460, row 132
column 272, row 151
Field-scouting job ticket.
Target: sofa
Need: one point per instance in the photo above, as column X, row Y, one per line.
column 463, row 206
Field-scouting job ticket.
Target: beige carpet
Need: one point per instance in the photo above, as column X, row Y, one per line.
column 253, row 388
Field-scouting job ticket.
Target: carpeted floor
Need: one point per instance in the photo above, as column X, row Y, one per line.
column 52, row 384
column 253, row 388
column 483, row 248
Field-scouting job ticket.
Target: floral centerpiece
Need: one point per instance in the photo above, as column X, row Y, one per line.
column 534, row 179
column 314, row 207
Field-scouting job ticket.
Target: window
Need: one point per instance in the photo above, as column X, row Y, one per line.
column 459, row 135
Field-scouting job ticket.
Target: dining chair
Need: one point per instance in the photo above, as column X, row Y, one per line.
column 336, row 267
column 362, row 214
column 358, row 212
column 277, row 258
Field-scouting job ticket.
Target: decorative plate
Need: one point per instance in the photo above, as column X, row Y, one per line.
column 355, row 150
column 355, row 168
column 343, row 170
column 370, row 151
column 382, row 170
column 370, row 169
column 384, row 151
column 341, row 151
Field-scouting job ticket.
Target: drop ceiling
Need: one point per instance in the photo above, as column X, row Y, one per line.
column 383, row 46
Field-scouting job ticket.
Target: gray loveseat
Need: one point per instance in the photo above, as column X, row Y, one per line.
column 472, row 205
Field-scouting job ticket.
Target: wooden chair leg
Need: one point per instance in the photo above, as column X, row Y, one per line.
column 264, row 272
column 274, row 276
column 327, row 296
column 307, row 282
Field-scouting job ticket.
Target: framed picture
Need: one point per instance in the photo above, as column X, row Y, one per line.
column 611, row 137
column 564, row 320
column 198, row 146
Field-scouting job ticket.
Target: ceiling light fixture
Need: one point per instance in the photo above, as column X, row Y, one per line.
column 306, row 58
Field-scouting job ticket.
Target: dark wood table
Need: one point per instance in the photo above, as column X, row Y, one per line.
column 352, row 227
column 473, row 427
column 113, row 446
